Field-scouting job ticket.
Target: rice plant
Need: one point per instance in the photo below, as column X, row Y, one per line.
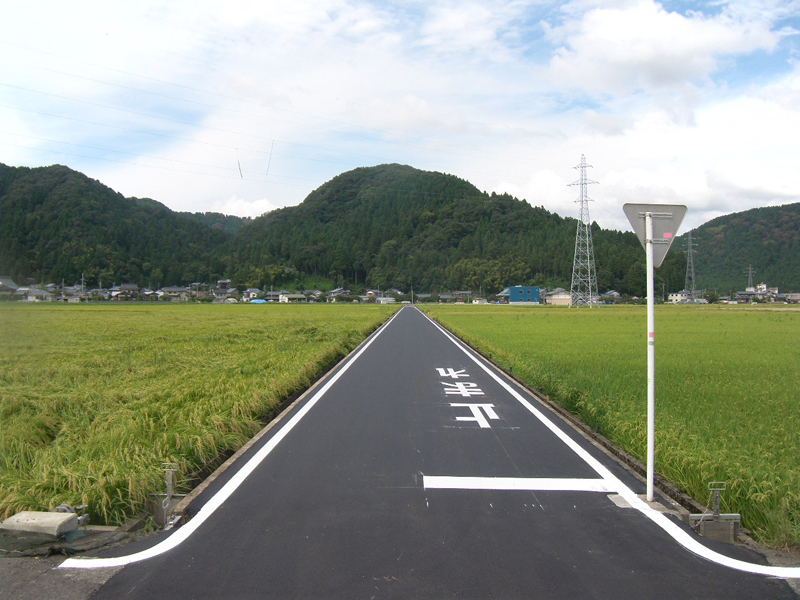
column 93, row 399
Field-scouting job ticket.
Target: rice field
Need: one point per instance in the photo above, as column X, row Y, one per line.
column 727, row 391
column 93, row 399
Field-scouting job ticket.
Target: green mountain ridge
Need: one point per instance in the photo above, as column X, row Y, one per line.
column 393, row 225
column 766, row 239
column 389, row 225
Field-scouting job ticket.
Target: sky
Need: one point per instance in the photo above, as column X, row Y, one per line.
column 243, row 107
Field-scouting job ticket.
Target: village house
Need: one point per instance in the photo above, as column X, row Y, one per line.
column 174, row 293
column 520, row 294
column 251, row 293
column 558, row 297
column 291, row 298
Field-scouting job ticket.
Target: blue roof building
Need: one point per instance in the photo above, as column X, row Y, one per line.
column 521, row 294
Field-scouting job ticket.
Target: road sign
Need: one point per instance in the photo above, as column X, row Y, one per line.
column 655, row 225
column 666, row 220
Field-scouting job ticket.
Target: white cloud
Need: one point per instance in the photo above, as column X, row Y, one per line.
column 642, row 46
column 241, row 207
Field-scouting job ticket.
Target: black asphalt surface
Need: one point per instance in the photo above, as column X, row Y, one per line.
column 338, row 509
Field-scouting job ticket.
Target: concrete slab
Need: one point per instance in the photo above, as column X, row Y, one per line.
column 50, row 523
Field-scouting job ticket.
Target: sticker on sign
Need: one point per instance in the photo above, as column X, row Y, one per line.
column 667, row 218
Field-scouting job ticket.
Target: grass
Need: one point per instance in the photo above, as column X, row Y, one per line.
column 93, row 399
column 727, row 391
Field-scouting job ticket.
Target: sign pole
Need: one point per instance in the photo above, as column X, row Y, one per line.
column 655, row 225
column 651, row 357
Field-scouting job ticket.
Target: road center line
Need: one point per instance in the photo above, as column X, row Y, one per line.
column 531, row 484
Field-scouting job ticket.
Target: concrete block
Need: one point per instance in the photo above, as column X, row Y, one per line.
column 50, row 523
column 722, row 528
column 721, row 531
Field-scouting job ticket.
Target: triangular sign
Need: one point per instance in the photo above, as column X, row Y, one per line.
column 667, row 218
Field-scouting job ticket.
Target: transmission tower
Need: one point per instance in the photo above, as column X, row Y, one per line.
column 584, row 276
column 750, row 272
column 691, row 284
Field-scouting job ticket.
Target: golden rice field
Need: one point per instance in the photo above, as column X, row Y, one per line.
column 727, row 391
column 93, row 399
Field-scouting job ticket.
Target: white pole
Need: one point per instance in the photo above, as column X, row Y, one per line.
column 651, row 357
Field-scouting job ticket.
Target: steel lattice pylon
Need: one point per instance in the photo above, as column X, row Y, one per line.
column 584, row 276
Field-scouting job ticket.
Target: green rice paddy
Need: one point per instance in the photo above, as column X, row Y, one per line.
column 93, row 399
column 727, row 391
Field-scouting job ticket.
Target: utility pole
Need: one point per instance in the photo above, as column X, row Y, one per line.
column 584, row 277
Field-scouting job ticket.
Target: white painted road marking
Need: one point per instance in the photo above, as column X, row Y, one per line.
column 462, row 388
column 477, row 415
column 450, row 372
column 532, row 484
column 672, row 529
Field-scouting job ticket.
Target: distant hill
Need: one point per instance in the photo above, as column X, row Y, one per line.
column 228, row 223
column 768, row 239
column 57, row 223
column 393, row 225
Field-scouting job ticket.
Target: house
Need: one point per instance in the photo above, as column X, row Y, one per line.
column 332, row 296
column 480, row 301
column 271, row 296
column 291, row 298
column 174, row 293
column 223, row 290
column 392, row 292
column 558, row 297
column 313, row 295
column 385, row 300
column 792, row 297
column 32, row 294
column 251, row 294
column 678, row 297
column 127, row 291
column 520, row 294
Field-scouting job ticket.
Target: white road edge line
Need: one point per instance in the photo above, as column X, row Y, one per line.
column 672, row 529
column 538, row 484
column 183, row 532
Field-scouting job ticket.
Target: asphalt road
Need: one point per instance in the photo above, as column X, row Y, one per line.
column 417, row 474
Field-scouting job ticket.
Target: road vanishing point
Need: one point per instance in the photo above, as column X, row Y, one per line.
column 417, row 470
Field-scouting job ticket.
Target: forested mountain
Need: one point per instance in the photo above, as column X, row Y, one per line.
column 227, row 223
column 394, row 225
column 56, row 223
column 768, row 239
column 389, row 225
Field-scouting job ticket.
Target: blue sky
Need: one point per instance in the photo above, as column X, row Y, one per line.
column 695, row 103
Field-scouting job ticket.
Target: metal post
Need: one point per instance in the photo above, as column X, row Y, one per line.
column 651, row 356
